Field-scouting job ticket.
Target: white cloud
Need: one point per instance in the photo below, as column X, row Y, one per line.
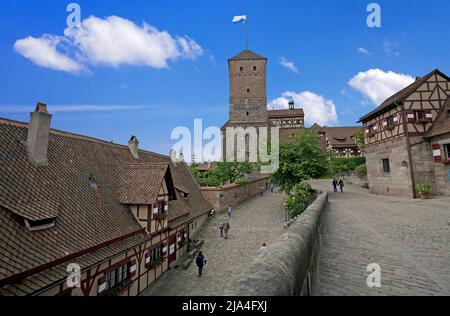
column 43, row 52
column 364, row 51
column 289, row 65
column 317, row 109
column 113, row 41
column 391, row 47
column 378, row 85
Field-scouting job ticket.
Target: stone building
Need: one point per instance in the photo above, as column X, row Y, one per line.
column 120, row 214
column 407, row 138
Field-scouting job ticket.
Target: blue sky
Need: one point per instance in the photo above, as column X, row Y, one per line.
column 321, row 53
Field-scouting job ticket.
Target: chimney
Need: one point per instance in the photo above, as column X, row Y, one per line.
column 418, row 78
column 133, row 144
column 38, row 135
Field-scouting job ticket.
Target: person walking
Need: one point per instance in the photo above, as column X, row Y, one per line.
column 341, row 185
column 335, row 185
column 221, row 228
column 201, row 262
column 226, row 230
column 262, row 191
column 272, row 188
column 263, row 249
column 230, row 211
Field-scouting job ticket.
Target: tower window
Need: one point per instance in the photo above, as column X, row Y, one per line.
column 248, row 113
column 241, row 69
column 254, row 68
column 248, row 90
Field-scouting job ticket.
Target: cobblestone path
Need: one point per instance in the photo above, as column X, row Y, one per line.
column 257, row 221
column 410, row 240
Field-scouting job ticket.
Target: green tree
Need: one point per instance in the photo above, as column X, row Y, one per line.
column 231, row 171
column 302, row 159
column 359, row 138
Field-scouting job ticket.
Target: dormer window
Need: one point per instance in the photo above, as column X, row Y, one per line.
column 39, row 225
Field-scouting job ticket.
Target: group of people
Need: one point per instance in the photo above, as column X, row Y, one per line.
column 224, row 229
column 339, row 183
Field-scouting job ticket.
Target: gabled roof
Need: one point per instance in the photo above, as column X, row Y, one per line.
column 442, row 124
column 248, row 55
column 342, row 136
column 273, row 114
column 401, row 96
column 141, row 184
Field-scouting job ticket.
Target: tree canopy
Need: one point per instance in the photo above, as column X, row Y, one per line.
column 300, row 160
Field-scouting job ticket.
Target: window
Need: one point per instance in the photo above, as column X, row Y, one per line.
column 372, row 129
column 161, row 207
column 419, row 115
column 254, row 68
column 390, row 121
column 156, row 254
column 241, row 69
column 116, row 278
column 248, row 90
column 386, row 166
column 447, row 151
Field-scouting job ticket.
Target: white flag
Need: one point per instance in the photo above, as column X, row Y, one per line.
column 239, row 18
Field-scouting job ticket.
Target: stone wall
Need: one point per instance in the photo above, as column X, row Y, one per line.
column 396, row 183
column 232, row 195
column 441, row 171
column 290, row 266
column 423, row 162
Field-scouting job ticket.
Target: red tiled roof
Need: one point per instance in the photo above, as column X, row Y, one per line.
column 140, row 184
column 342, row 136
column 285, row 113
column 86, row 216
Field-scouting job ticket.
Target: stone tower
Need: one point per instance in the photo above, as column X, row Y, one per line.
column 248, row 98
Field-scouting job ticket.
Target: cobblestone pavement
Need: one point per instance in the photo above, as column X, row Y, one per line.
column 257, row 221
column 410, row 240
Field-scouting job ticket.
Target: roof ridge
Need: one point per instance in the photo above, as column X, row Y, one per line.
column 78, row 136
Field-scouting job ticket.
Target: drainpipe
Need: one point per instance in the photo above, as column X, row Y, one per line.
column 411, row 170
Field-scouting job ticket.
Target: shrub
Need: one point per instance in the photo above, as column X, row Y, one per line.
column 241, row 182
column 339, row 165
column 423, row 188
column 299, row 199
column 361, row 171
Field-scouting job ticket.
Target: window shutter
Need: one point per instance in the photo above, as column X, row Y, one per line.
column 385, row 123
column 133, row 268
column 147, row 259
column 164, row 249
column 101, row 286
column 437, row 153
column 429, row 115
column 410, row 116
column 395, row 119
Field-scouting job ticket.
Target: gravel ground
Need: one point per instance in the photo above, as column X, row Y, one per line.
column 409, row 239
column 257, row 221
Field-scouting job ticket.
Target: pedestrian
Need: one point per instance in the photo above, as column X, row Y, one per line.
column 212, row 214
column 263, row 249
column 230, row 211
column 335, row 184
column 272, row 188
column 201, row 262
column 221, row 228
column 341, row 185
column 262, row 191
column 226, row 230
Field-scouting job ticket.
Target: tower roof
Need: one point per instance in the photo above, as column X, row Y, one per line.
column 248, row 55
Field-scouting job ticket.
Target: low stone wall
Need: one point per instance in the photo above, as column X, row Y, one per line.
column 290, row 266
column 232, row 195
column 352, row 178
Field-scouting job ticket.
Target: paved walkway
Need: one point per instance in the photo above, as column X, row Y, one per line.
column 410, row 240
column 258, row 221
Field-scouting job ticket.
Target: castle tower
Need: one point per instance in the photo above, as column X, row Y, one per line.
column 248, row 98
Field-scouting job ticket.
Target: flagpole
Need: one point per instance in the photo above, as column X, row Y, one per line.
column 246, row 34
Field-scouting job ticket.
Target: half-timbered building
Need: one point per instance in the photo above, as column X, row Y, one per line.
column 84, row 217
column 399, row 153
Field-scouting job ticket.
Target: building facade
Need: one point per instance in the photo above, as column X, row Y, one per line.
column 116, row 215
column 399, row 148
